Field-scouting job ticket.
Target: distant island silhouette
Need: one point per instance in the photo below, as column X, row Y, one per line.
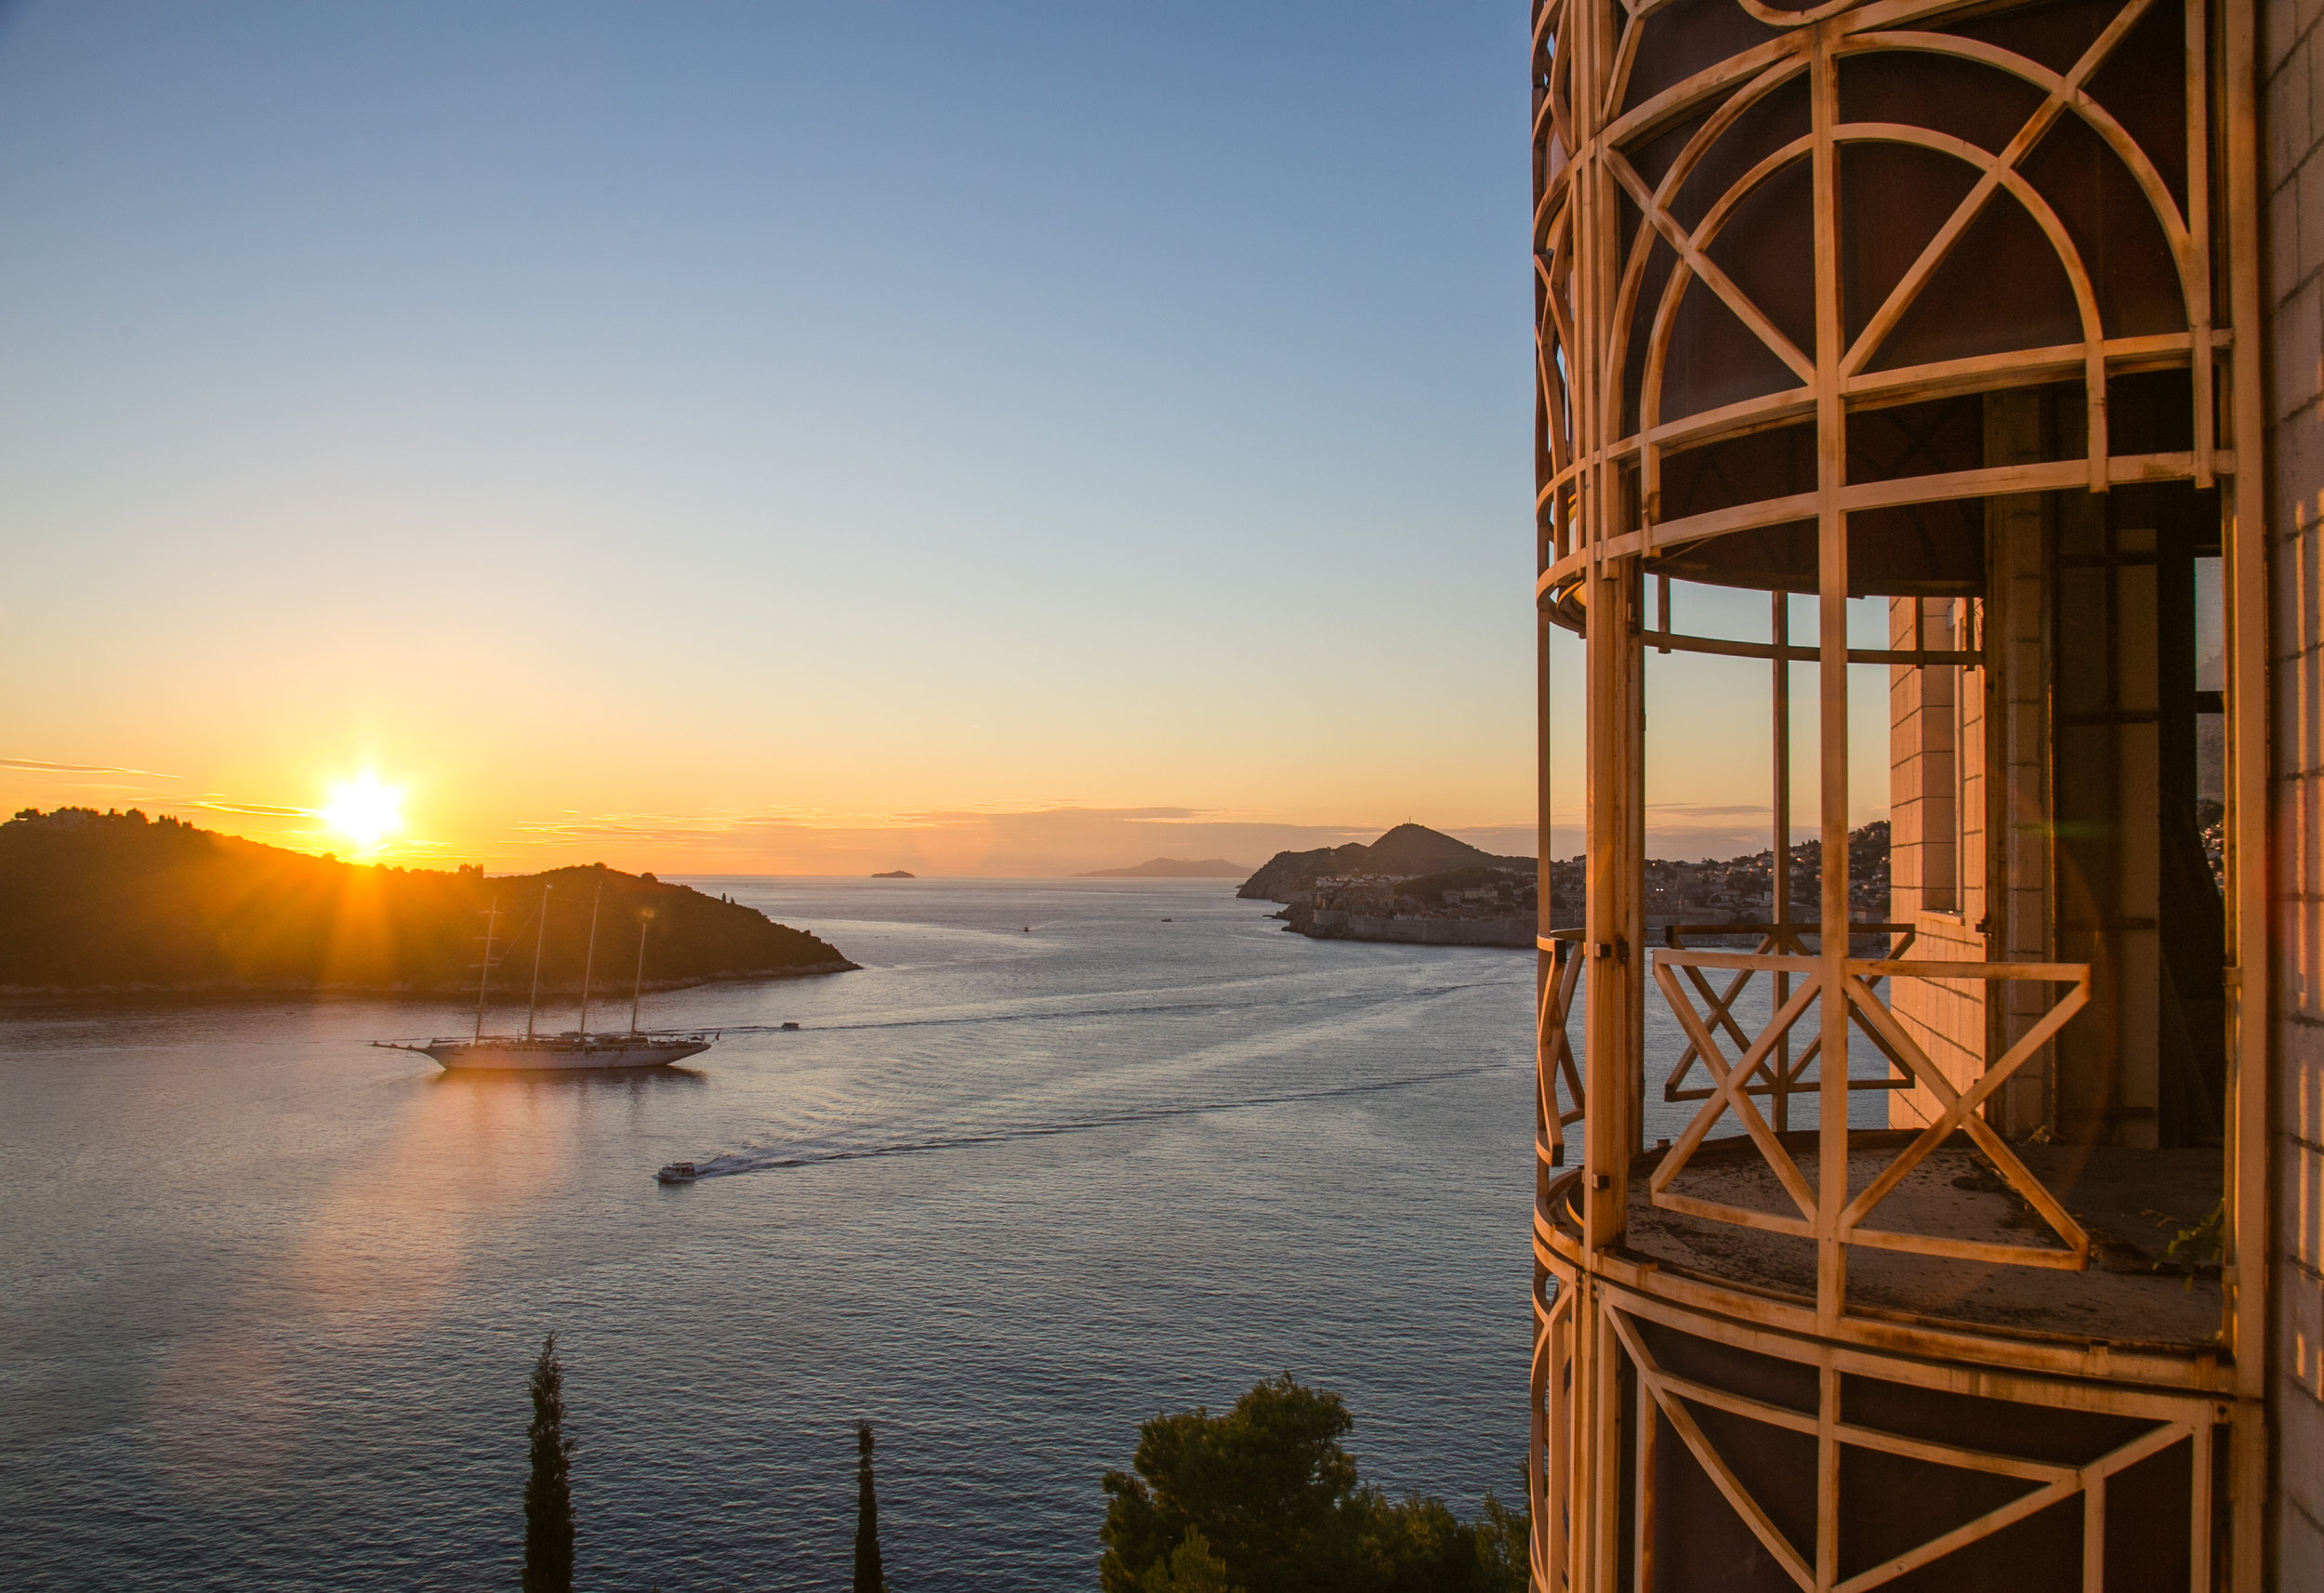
column 116, row 901
column 1170, row 868
column 896, row 874
column 1406, row 852
column 1414, row 884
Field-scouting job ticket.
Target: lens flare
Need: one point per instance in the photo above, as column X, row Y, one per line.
column 365, row 811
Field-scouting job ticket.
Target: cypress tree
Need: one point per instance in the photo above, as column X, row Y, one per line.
column 548, row 1492
column 869, row 1577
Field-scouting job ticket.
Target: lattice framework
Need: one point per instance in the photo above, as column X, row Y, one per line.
column 1640, row 242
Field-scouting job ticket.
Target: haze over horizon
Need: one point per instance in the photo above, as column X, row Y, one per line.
column 815, row 439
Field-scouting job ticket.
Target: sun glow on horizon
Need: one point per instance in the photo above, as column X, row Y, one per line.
column 365, row 810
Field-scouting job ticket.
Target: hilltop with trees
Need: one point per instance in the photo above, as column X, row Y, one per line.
column 118, row 902
column 1417, row 885
column 1414, row 884
column 1406, row 852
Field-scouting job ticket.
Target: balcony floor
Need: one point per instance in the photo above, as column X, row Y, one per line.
column 2133, row 1202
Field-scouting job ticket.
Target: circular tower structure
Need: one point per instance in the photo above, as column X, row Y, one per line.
column 1900, row 1221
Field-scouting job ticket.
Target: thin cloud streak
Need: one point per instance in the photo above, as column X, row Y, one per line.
column 252, row 810
column 42, row 766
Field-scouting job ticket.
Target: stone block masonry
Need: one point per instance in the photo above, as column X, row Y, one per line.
column 2291, row 57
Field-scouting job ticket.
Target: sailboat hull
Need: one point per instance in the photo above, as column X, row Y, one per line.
column 561, row 1055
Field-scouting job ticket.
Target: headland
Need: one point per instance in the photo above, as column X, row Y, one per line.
column 1419, row 885
column 1414, row 884
column 118, row 903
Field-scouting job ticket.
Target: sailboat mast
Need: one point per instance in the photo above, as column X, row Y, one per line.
column 484, row 977
column 589, row 963
column 645, row 922
column 539, row 940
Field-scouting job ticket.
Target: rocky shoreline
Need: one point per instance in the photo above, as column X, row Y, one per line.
column 1411, row 928
column 1414, row 886
column 1419, row 886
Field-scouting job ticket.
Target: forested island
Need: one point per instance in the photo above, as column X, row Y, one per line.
column 116, row 901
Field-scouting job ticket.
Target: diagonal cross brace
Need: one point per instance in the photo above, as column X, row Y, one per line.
column 1555, row 1058
column 1707, row 1455
column 1731, row 1088
column 1959, row 1110
column 1699, row 263
column 1722, row 1010
column 2053, row 105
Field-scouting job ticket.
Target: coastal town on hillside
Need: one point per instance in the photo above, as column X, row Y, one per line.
column 1419, row 885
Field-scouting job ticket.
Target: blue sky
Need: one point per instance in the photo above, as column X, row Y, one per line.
column 621, row 425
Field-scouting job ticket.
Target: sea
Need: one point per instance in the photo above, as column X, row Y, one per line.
column 1061, row 1156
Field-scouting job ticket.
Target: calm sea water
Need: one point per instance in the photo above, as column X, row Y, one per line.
column 267, row 1296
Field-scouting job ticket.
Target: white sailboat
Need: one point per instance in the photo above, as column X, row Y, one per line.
column 576, row 1048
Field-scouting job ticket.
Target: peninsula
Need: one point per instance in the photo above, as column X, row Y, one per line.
column 118, row 902
column 1404, row 852
column 1414, row 884
column 1170, row 868
column 1419, row 885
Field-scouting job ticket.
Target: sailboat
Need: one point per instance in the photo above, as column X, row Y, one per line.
column 576, row 1048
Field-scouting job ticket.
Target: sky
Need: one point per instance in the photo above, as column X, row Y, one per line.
column 789, row 438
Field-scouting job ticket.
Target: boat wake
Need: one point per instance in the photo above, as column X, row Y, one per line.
column 1211, row 1001
column 771, row 1158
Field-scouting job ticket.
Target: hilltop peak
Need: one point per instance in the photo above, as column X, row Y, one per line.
column 1406, row 852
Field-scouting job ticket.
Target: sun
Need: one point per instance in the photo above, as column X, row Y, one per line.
column 365, row 810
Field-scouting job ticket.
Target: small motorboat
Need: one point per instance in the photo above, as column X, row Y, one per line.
column 680, row 1172
column 790, row 1026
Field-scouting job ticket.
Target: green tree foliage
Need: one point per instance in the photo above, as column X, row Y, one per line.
column 870, row 1577
column 1504, row 1542
column 1191, row 1568
column 548, row 1490
column 1265, row 1499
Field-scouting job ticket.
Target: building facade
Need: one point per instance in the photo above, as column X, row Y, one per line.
column 2291, row 168
column 1966, row 355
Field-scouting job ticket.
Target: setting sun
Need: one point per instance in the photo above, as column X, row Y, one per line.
column 365, row 810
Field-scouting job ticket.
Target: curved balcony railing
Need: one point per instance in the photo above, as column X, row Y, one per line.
column 1957, row 1108
column 1745, row 1069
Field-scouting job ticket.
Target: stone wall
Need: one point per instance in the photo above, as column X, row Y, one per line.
column 2292, row 182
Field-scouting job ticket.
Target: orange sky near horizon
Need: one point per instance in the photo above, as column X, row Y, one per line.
column 857, row 796
column 1025, row 839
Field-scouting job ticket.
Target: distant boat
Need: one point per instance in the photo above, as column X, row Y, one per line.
column 577, row 1049
column 678, row 1173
